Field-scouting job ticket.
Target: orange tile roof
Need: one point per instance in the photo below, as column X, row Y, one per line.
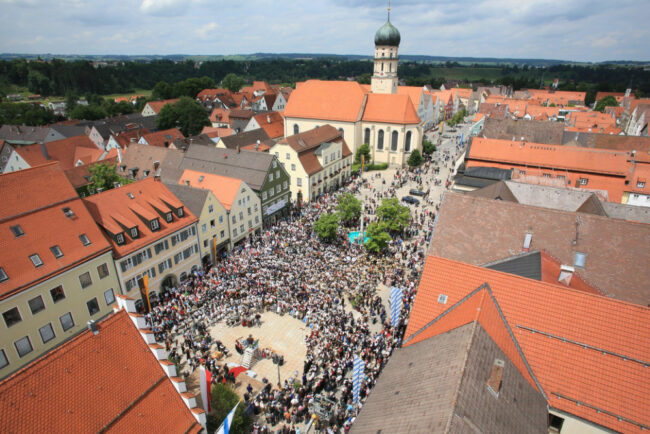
column 539, row 112
column 390, row 108
column 328, row 100
column 255, row 147
column 124, row 138
column 217, row 132
column 109, row 381
column 478, row 117
column 224, row 188
column 551, row 269
column 413, row 92
column 113, row 209
column 32, row 197
column 220, row 115
column 618, row 95
column 553, row 156
column 163, row 138
column 156, row 106
column 640, row 173
column 581, row 347
column 559, row 98
column 272, row 123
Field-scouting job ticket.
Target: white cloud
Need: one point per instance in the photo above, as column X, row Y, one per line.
column 164, row 7
column 207, row 31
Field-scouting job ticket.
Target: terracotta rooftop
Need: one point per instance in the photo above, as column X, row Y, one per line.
column 110, row 381
column 163, row 138
column 137, row 204
column 68, row 152
column 307, row 142
column 224, row 188
column 331, row 100
column 530, row 130
column 478, row 231
column 156, row 106
column 272, row 123
column 390, row 108
column 32, row 197
column 589, row 353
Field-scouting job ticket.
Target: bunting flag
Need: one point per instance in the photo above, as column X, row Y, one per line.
column 395, row 305
column 206, row 380
column 357, row 376
column 461, row 138
column 225, row 426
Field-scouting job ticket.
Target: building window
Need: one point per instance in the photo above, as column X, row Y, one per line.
column 84, row 239
column 296, row 130
column 204, row 227
column 555, row 423
column 57, row 294
column 366, row 136
column 3, row 359
column 380, row 140
column 85, row 280
column 234, row 232
column 407, row 144
column 12, row 317
column 168, row 217
column 36, row 260
column 93, row 306
column 23, row 346
column 583, row 181
column 222, row 234
column 36, row 304
column 179, row 212
column 134, row 232
column 393, row 141
column 241, row 229
column 293, row 167
column 579, row 259
column 17, row 230
column 210, row 208
column 299, row 182
column 3, row 275
column 46, row 332
column 284, row 185
column 119, row 238
column 342, row 132
column 56, row 251
column 640, row 184
column 109, row 296
column 155, row 225
column 257, row 219
column 67, row 322
column 102, row 270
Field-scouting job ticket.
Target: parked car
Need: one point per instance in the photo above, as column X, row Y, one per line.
column 416, row 192
column 411, row 200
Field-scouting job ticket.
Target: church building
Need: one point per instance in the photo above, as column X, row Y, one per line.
column 383, row 115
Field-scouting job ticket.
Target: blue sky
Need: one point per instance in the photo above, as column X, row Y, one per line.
column 559, row 29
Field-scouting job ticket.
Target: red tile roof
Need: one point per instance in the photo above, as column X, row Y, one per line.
column 109, row 381
column 220, row 115
column 217, row 132
column 163, row 138
column 390, row 108
column 329, row 100
column 66, row 151
column 34, row 199
column 307, row 142
column 224, row 188
column 581, row 347
column 114, row 210
column 156, row 106
column 124, row 138
column 272, row 123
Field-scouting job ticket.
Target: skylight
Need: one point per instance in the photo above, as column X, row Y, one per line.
column 56, row 251
column 17, row 230
column 36, row 260
column 68, row 212
column 3, row 275
column 579, row 259
column 442, row 299
column 84, row 239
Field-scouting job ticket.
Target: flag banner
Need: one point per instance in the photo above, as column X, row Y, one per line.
column 395, row 305
column 225, row 426
column 206, row 380
column 357, row 376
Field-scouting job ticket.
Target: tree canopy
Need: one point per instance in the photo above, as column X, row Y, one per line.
column 394, row 215
column 326, row 226
column 104, row 176
column 415, row 159
column 363, row 150
column 186, row 114
column 349, row 209
column 428, row 148
column 378, row 238
column 608, row 101
column 222, row 400
column 232, row 82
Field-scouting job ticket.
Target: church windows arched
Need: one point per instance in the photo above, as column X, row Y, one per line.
column 380, row 140
column 407, row 145
column 393, row 141
column 382, row 66
column 296, row 129
column 366, row 136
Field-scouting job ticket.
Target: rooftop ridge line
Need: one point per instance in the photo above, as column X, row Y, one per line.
column 600, row 410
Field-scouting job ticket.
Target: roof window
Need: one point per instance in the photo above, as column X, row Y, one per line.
column 36, row 260
column 84, row 239
column 17, row 230
column 3, row 275
column 579, row 259
column 130, row 195
column 180, row 212
column 134, row 232
column 56, row 251
column 168, row 217
column 68, row 212
column 442, row 299
column 119, row 238
column 527, row 239
column 494, row 382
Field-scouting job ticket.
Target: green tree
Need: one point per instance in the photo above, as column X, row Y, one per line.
column 349, row 209
column 162, row 90
column 232, row 82
column 186, row 114
column 378, row 238
column 87, row 112
column 395, row 216
column 364, row 78
column 104, row 176
column 415, row 159
column 608, row 101
column 363, row 150
column 326, row 226
column 70, row 101
column 428, row 148
column 222, row 401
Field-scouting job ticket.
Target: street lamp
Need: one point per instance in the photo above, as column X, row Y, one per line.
column 279, row 361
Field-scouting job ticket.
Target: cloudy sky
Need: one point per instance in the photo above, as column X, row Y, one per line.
column 583, row 30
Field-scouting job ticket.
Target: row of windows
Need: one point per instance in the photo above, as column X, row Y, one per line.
column 181, row 256
column 278, row 190
column 394, row 140
column 136, row 259
column 24, row 345
column 36, row 304
column 35, row 258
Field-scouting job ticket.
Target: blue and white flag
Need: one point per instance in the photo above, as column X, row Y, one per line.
column 357, row 376
column 461, row 138
column 395, row 305
column 225, row 426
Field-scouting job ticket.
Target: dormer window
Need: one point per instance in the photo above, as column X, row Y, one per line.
column 134, row 232
column 640, row 184
column 3, row 275
column 168, row 217
column 36, row 260
column 155, row 225
column 179, row 212
column 68, row 212
column 17, row 230
column 119, row 238
column 84, row 239
column 56, row 251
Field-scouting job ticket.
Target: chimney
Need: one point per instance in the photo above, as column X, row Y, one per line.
column 92, row 326
column 268, row 119
column 44, row 151
column 566, row 272
column 494, row 382
column 156, row 164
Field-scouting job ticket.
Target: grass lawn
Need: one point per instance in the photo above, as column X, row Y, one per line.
column 144, row 92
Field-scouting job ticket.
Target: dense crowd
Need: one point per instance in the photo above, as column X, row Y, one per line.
column 287, row 270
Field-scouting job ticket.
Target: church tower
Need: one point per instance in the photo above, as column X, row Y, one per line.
column 384, row 77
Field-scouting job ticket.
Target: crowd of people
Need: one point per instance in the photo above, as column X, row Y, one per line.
column 289, row 271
